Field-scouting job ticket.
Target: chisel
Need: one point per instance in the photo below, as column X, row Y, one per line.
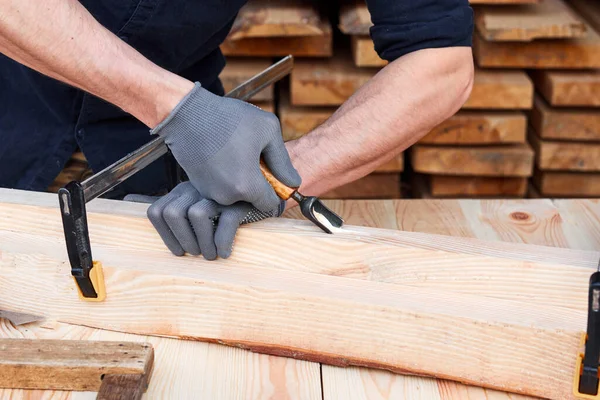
column 312, row 208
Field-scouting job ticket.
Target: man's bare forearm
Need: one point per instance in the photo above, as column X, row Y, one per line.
column 401, row 104
column 61, row 39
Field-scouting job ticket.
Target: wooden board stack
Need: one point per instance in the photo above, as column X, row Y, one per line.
column 565, row 121
column 77, row 169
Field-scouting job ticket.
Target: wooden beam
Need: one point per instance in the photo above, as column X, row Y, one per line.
column 493, row 89
column 374, row 186
column 289, row 312
column 516, row 160
column 327, row 82
column 567, row 184
column 239, row 70
column 552, row 53
column 77, row 365
column 478, row 127
column 565, row 156
column 355, row 18
column 549, row 19
column 364, row 54
column 277, row 18
column 468, row 186
column 565, row 124
column 299, row 46
column 569, row 88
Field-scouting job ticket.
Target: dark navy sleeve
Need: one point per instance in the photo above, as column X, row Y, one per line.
column 403, row 26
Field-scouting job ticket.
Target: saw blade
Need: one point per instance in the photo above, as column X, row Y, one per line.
column 17, row 318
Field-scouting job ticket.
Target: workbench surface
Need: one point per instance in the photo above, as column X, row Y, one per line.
column 186, row 369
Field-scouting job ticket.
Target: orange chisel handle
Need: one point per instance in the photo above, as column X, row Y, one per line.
column 284, row 192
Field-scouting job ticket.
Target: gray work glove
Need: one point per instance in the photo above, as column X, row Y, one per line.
column 219, row 141
column 189, row 223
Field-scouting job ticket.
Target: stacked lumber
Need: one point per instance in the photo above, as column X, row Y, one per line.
column 565, row 120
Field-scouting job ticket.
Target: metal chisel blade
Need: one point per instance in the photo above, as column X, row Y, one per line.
column 17, row 318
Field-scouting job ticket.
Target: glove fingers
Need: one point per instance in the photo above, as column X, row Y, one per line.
column 175, row 215
column 229, row 222
column 267, row 199
column 201, row 217
column 278, row 160
column 155, row 215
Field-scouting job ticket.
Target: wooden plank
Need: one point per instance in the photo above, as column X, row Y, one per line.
column 565, row 156
column 478, row 127
column 567, row 184
column 364, row 54
column 299, row 46
column 122, row 387
column 500, row 90
column 514, row 160
column 326, row 82
column 76, row 169
column 355, row 18
column 298, row 121
column 268, row 106
column 549, row 19
column 576, row 53
column 565, row 124
column 184, row 368
column 569, row 88
column 312, row 300
column 239, row 70
column 373, row 186
column 455, row 186
column 277, row 18
column 70, row 365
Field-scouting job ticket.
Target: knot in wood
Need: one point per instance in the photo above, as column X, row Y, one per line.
column 520, row 216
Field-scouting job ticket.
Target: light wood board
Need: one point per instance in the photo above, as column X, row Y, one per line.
column 211, row 318
column 569, row 88
column 277, row 18
column 578, row 124
column 257, row 376
column 567, row 184
column 578, row 53
column 364, row 54
column 479, row 127
column 565, row 156
column 590, row 10
column 373, row 186
column 239, row 70
column 549, row 19
column 327, row 82
column 507, row 160
column 493, row 89
column 467, row 186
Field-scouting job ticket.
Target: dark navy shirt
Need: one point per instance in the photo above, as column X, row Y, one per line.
column 43, row 121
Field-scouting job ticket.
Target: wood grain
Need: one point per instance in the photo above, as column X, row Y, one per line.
column 70, row 365
column 569, row 88
column 524, row 23
column 277, row 18
column 564, row 124
column 473, row 127
column 239, row 70
column 355, row 18
column 373, row 186
column 567, row 184
column 514, row 160
column 326, row 82
column 461, row 186
column 494, row 89
column 576, row 53
column 271, row 276
column 565, row 156
column 364, row 54
column 297, row 121
column 299, row 46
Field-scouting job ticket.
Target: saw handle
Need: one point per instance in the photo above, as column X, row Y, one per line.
column 284, row 192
